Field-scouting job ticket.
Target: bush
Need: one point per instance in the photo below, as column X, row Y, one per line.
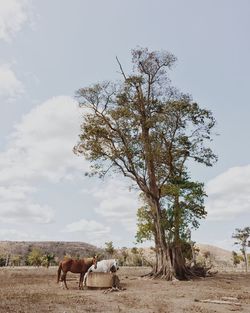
column 2, row 260
column 35, row 257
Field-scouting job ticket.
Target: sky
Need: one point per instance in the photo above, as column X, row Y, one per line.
column 51, row 48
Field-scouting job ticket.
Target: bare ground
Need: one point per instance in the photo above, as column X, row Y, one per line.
column 25, row 290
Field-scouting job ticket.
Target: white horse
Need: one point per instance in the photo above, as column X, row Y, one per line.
column 105, row 266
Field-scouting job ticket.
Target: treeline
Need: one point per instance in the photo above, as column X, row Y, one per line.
column 35, row 257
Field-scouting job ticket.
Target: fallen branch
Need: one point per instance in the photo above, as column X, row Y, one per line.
column 113, row 289
column 218, row 302
column 229, row 298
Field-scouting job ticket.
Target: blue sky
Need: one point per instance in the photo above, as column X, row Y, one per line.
column 49, row 49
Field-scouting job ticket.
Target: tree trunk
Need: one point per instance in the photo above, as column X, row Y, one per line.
column 163, row 267
column 245, row 260
column 178, row 260
column 170, row 263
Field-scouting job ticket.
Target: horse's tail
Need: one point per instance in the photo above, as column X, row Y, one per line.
column 59, row 272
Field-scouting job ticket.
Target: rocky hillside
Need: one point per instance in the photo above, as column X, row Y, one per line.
column 59, row 249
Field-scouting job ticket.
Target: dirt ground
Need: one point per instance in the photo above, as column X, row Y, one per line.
column 26, row 290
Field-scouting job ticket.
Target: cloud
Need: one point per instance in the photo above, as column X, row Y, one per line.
column 39, row 149
column 228, row 194
column 87, row 226
column 41, row 144
column 10, row 86
column 13, row 15
column 117, row 202
column 25, row 212
column 90, row 230
column 17, row 207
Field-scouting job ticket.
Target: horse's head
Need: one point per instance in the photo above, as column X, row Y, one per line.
column 95, row 261
column 114, row 267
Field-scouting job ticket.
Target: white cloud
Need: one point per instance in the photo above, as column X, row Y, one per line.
column 16, row 206
column 228, row 194
column 40, row 148
column 116, row 198
column 90, row 230
column 87, row 226
column 13, row 15
column 14, row 193
column 117, row 202
column 10, row 86
column 41, row 145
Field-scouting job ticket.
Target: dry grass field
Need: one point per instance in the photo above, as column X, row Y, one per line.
column 25, row 290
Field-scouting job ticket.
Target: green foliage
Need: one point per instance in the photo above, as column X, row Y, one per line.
column 236, row 258
column 190, row 208
column 35, row 257
column 48, row 259
column 16, row 260
column 145, row 225
column 109, row 248
column 134, row 250
column 241, row 236
column 2, row 260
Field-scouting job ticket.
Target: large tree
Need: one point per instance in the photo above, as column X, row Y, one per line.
column 145, row 129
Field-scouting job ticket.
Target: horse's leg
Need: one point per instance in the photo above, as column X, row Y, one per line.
column 64, row 279
column 85, row 278
column 80, row 281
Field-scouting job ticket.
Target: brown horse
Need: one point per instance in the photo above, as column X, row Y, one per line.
column 75, row 266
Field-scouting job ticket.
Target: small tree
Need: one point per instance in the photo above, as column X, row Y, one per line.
column 134, row 250
column 2, row 260
column 48, row 258
column 124, row 256
column 35, row 257
column 236, row 258
column 109, row 248
column 16, row 260
column 241, row 236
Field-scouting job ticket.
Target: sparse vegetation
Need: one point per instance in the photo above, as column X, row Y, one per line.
column 241, row 237
column 236, row 258
column 109, row 248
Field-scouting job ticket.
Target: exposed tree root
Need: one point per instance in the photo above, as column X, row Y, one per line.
column 187, row 273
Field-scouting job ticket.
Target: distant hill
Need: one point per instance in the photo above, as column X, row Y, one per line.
column 220, row 258
column 59, row 248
